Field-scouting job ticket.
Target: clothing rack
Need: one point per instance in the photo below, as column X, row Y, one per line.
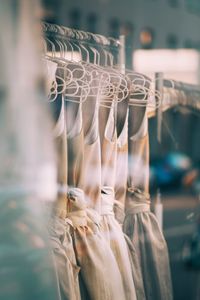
column 175, row 93
column 181, row 86
column 79, row 35
column 115, row 46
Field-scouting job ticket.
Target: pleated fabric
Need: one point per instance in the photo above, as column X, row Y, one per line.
column 136, row 269
column 142, row 228
column 99, row 273
column 120, row 191
column 140, row 224
column 64, row 255
column 115, row 238
column 65, row 260
column 92, row 150
column 111, row 228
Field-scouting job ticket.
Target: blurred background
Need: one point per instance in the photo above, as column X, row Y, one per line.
column 161, row 35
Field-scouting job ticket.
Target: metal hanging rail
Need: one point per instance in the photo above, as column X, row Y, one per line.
column 174, row 94
column 79, row 35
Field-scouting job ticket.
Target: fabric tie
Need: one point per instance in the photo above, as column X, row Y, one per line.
column 137, row 202
column 76, row 207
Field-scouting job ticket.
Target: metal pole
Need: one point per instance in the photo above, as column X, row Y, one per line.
column 122, row 56
column 159, row 88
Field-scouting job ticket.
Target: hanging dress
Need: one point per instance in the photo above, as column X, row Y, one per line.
column 140, row 224
column 64, row 256
column 121, row 160
column 111, row 228
column 121, row 187
column 92, row 151
column 99, row 274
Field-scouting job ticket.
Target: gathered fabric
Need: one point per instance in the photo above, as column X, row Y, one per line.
column 65, row 260
column 99, row 273
column 61, row 242
column 140, row 223
column 115, row 238
column 142, row 228
column 136, row 270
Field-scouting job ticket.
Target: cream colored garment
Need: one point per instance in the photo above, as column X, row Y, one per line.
column 99, row 273
column 108, row 138
column 111, row 228
column 92, row 153
column 140, row 224
column 120, row 191
column 61, row 241
column 136, row 270
column 121, row 172
column 75, row 155
column 65, row 260
column 115, row 238
column 122, row 150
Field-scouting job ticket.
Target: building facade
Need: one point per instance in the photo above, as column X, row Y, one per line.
column 149, row 23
